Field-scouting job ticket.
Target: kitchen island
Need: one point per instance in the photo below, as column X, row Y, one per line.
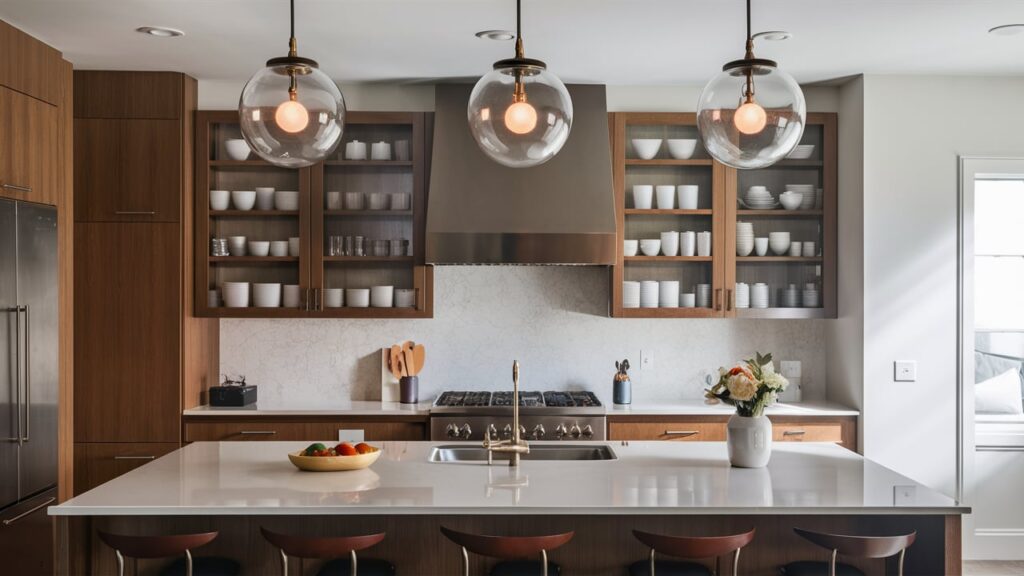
column 679, row 488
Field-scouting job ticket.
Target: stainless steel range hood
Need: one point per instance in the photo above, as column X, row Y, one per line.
column 561, row 212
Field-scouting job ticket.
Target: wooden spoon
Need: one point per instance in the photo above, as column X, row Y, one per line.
column 395, row 361
column 419, row 355
column 408, row 359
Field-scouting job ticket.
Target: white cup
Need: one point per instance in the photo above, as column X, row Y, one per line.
column 796, row 248
column 334, row 297
column 687, row 243
column 258, row 247
column 380, row 151
column 703, row 292
column 236, row 245
column 643, row 194
column 294, row 246
column 630, row 247
column 704, row 244
column 291, row 295
column 220, row 199
column 243, row 199
column 286, row 200
column 332, row 201
column 266, row 295
column 402, row 150
column 668, row 294
column 687, row 196
column 761, row 246
column 378, row 201
column 279, row 248
column 688, row 300
column 382, row 296
column 630, row 294
column 358, row 297
column 809, row 250
column 401, row 201
column 236, row 294
column 355, row 150
column 670, row 244
column 405, row 298
column 354, row 201
column 666, row 196
column 213, row 299
column 649, row 294
column 264, row 198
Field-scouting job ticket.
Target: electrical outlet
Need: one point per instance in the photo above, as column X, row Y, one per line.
column 906, row 371
column 646, row 360
column 904, row 495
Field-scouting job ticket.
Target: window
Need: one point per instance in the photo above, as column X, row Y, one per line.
column 999, row 254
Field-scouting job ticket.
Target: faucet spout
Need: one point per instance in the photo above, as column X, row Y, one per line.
column 516, row 445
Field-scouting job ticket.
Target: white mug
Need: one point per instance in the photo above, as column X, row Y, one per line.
column 666, row 196
column 687, row 243
column 643, row 194
column 670, row 244
column 704, row 244
column 264, row 198
column 688, row 300
column 333, row 200
column 687, row 196
column 291, row 296
column 809, row 250
column 236, row 245
column 294, row 246
column 761, row 246
column 220, row 199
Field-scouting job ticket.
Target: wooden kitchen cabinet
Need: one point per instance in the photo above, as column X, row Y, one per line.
column 30, row 140
column 839, row 429
column 673, row 431
column 295, row 430
column 96, row 463
column 31, row 67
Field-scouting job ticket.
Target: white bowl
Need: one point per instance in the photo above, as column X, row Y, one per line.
column 259, row 248
column 237, row 149
column 681, row 148
column 630, row 247
column 382, row 296
column 266, row 295
column 646, row 148
column 243, row 199
column 220, row 199
column 791, row 200
column 379, row 201
column 286, row 200
column 779, row 242
column 279, row 248
column 650, row 247
column 801, row 152
column 357, row 297
column 236, row 294
column 334, row 297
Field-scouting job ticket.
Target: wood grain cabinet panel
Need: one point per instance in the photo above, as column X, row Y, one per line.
column 839, row 429
column 672, row 431
column 30, row 140
column 29, row 66
column 127, row 332
column 117, row 94
column 96, row 463
column 300, row 431
column 825, row 432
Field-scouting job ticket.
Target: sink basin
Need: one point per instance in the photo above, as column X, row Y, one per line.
column 458, row 453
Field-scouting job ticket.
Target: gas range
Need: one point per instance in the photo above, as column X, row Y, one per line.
column 551, row 415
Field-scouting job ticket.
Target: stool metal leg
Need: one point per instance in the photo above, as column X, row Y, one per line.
column 355, row 564
column 736, row 563
column 902, row 554
column 465, row 562
column 544, row 561
column 652, row 561
column 120, row 563
column 188, row 563
column 832, row 563
column 284, row 564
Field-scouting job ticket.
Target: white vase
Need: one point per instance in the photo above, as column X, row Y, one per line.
column 750, row 441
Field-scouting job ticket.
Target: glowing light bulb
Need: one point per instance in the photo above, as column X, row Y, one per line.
column 521, row 118
column 291, row 116
column 750, row 118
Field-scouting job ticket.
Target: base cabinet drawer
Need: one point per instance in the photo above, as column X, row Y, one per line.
column 672, row 431
column 300, row 431
column 842, row 430
column 825, row 432
column 96, row 462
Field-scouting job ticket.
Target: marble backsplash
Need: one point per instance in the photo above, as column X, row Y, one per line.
column 552, row 319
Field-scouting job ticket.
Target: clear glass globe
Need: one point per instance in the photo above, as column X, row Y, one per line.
column 755, row 134
column 292, row 132
column 523, row 131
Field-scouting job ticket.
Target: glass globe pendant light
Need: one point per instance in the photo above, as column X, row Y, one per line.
column 291, row 113
column 752, row 114
column 519, row 113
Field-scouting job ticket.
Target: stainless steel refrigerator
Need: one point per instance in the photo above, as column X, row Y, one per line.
column 28, row 385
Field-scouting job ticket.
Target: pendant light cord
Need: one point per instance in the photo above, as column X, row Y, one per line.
column 519, row 18
column 292, row 4
column 748, row 21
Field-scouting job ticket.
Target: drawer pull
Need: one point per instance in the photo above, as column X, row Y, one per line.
column 10, row 521
column 794, row 433
column 134, row 213
column 681, row 432
column 16, row 188
column 134, row 457
column 258, row 432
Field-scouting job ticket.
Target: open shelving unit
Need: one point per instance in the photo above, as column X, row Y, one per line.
column 315, row 269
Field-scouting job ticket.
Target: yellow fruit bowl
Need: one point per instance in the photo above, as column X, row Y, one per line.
column 333, row 463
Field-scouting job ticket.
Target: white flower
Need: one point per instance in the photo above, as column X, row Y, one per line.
column 741, row 388
column 774, row 381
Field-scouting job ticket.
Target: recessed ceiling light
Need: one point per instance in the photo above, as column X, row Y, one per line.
column 1007, row 30
column 501, row 35
column 773, row 35
column 160, row 31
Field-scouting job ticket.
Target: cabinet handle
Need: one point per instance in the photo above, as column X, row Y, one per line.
column 134, row 457
column 316, row 299
column 681, row 432
column 16, row 188
column 730, row 299
column 48, row 501
column 718, row 299
column 258, row 432
column 134, row 213
column 794, row 433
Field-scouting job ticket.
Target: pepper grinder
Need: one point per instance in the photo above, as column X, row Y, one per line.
column 623, row 388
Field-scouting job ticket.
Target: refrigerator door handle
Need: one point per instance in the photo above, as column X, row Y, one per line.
column 17, row 370
column 28, row 372
column 34, row 509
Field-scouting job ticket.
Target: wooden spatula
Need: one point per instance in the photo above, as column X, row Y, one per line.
column 408, row 359
column 395, row 361
column 419, row 354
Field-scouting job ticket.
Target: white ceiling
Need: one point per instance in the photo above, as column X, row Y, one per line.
column 610, row 41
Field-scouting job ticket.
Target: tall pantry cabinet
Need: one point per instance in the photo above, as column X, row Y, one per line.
column 140, row 354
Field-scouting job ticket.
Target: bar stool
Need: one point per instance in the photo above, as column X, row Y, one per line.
column 856, row 546
column 511, row 549
column 333, row 549
column 690, row 548
column 146, row 547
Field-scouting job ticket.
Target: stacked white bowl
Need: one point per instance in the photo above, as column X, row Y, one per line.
column 759, row 295
column 703, row 292
column 759, row 198
column 668, row 294
column 807, row 194
column 742, row 295
column 790, row 297
column 791, row 199
column 649, row 294
column 630, row 294
column 779, row 242
column 680, row 148
column 811, row 296
column 646, row 148
column 650, row 246
column 744, row 238
column 801, row 152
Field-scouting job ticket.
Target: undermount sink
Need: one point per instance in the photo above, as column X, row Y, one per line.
column 457, row 453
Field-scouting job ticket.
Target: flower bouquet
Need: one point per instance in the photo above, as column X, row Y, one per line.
column 751, row 387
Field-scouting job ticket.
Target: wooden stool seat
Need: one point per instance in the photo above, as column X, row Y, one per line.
column 367, row 567
column 146, row 547
column 854, row 546
column 511, row 548
column 331, row 548
column 668, row 568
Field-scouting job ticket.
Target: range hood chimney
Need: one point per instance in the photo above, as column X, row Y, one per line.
column 561, row 212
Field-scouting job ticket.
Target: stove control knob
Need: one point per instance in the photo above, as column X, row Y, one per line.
column 538, row 431
column 492, row 432
column 466, row 432
column 522, row 431
column 452, row 431
column 506, row 432
column 560, row 431
column 588, row 432
column 575, row 431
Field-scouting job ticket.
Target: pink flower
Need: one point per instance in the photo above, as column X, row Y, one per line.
column 741, row 387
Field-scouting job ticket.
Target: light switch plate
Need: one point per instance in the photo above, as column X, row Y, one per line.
column 904, row 495
column 646, row 360
column 790, row 369
column 906, row 371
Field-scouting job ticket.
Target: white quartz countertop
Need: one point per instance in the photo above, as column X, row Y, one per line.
column 699, row 408
column 647, row 478
column 309, row 408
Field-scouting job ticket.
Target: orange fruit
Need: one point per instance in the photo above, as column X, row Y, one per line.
column 345, row 449
column 364, row 448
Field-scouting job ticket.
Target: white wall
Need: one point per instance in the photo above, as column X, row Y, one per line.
column 914, row 130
